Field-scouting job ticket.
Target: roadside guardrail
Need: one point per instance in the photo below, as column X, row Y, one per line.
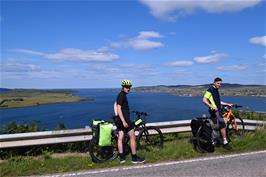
column 85, row 134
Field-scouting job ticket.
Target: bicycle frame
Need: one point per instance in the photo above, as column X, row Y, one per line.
column 139, row 128
column 227, row 116
column 103, row 154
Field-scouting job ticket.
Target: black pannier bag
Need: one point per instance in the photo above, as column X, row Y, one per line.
column 205, row 134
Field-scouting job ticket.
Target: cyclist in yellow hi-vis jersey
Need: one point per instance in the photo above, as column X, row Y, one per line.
column 212, row 100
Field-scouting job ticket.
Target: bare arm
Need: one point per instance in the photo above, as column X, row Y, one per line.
column 206, row 102
column 120, row 114
column 226, row 104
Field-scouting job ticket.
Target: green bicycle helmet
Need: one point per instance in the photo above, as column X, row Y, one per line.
column 126, row 83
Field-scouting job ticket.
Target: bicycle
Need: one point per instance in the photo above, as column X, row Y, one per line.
column 234, row 125
column 149, row 137
column 206, row 134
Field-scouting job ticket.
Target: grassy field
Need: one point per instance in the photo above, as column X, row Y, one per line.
column 250, row 115
column 177, row 147
column 23, row 98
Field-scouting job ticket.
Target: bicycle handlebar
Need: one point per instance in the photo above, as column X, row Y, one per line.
column 237, row 106
column 234, row 106
column 140, row 113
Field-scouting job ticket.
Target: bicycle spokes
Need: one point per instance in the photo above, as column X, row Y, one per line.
column 101, row 154
column 104, row 153
column 149, row 143
column 150, row 138
column 235, row 128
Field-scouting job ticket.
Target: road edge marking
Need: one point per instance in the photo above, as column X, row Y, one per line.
column 115, row 169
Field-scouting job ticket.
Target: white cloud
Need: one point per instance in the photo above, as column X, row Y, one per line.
column 19, row 67
column 141, row 42
column 27, row 51
column 50, row 75
column 103, row 49
column 144, row 44
column 73, row 54
column 40, row 75
column 180, row 73
column 181, row 63
column 81, row 55
column 122, row 71
column 213, row 58
column 170, row 9
column 148, row 34
column 260, row 40
column 233, row 68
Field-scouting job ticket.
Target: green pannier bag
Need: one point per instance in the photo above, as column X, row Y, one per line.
column 95, row 129
column 105, row 134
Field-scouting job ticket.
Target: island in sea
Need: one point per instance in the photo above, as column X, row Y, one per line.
column 14, row 98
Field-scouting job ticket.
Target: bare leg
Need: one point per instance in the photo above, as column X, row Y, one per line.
column 120, row 141
column 223, row 132
column 132, row 137
column 220, row 119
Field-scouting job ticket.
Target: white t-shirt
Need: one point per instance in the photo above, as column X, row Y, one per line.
column 115, row 109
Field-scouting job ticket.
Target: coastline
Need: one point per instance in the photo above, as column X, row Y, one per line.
column 26, row 98
column 199, row 90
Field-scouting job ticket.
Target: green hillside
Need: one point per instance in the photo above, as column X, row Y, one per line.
column 198, row 90
column 31, row 97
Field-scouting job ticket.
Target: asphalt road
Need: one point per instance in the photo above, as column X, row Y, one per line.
column 244, row 164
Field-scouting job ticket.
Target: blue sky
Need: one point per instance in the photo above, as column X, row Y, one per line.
column 96, row 44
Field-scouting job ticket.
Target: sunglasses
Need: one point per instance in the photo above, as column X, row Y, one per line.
column 128, row 87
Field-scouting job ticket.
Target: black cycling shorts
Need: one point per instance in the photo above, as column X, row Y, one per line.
column 120, row 127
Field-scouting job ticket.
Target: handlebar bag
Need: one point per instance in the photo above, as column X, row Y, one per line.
column 138, row 122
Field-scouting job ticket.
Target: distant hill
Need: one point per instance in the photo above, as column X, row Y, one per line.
column 198, row 90
column 207, row 85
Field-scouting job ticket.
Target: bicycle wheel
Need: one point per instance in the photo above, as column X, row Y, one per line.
column 232, row 130
column 203, row 139
column 100, row 154
column 150, row 138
